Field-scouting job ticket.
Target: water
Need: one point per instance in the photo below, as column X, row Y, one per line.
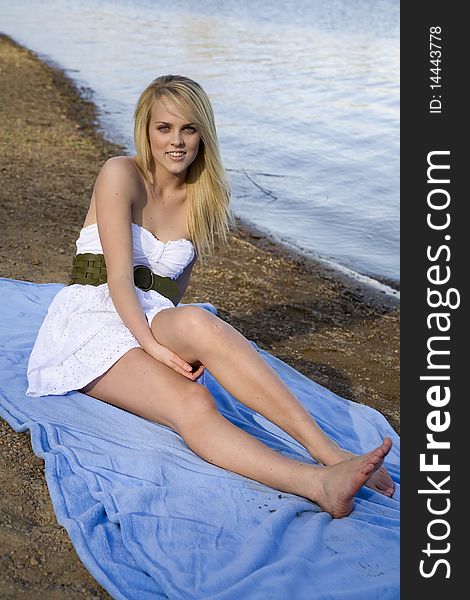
column 306, row 96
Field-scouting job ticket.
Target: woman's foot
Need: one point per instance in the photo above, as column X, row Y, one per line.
column 380, row 480
column 340, row 482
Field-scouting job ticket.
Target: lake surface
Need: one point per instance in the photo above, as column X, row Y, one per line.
column 306, row 97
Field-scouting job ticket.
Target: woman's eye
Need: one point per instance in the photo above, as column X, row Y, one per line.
column 165, row 128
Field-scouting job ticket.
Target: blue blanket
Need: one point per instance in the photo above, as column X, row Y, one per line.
column 150, row 519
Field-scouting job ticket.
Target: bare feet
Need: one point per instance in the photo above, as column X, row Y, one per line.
column 380, row 480
column 340, row 482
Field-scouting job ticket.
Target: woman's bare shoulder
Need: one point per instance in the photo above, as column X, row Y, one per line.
column 121, row 166
column 121, row 172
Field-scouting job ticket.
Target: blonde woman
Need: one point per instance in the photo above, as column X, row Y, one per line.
column 117, row 332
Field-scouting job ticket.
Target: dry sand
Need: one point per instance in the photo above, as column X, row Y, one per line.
column 333, row 330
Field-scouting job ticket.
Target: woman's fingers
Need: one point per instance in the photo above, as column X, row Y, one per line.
column 182, row 367
column 179, row 365
column 198, row 372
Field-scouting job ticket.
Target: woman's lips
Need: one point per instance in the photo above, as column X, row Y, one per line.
column 177, row 156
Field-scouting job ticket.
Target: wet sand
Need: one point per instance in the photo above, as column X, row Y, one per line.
column 334, row 330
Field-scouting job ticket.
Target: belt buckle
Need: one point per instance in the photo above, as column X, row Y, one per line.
column 143, row 277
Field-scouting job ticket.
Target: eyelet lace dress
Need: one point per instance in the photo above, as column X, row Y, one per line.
column 82, row 335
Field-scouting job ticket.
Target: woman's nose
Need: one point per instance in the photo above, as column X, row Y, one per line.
column 177, row 139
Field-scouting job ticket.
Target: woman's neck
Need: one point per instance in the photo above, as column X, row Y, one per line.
column 168, row 184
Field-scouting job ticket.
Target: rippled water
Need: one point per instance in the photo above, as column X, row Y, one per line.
column 306, row 96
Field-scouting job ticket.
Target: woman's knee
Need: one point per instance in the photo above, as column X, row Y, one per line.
column 188, row 331
column 198, row 405
column 196, row 320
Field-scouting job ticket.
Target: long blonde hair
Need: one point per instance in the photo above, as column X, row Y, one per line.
column 209, row 217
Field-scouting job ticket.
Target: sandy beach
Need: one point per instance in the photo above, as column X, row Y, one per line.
column 336, row 331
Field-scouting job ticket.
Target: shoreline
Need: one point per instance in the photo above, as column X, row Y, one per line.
column 372, row 286
column 330, row 328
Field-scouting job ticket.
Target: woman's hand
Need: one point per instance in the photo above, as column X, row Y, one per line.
column 172, row 360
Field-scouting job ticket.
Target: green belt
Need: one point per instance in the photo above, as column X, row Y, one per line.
column 90, row 269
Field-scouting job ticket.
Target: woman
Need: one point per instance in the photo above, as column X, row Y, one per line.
column 117, row 334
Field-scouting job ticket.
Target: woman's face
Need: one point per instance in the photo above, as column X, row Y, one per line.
column 174, row 141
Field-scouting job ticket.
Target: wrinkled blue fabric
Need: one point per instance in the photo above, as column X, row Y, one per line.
column 150, row 519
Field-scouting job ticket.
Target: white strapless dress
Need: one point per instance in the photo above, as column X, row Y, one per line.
column 82, row 335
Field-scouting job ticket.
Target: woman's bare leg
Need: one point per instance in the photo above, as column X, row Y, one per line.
column 195, row 334
column 142, row 385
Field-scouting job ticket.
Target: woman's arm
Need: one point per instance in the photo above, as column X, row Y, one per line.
column 115, row 190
